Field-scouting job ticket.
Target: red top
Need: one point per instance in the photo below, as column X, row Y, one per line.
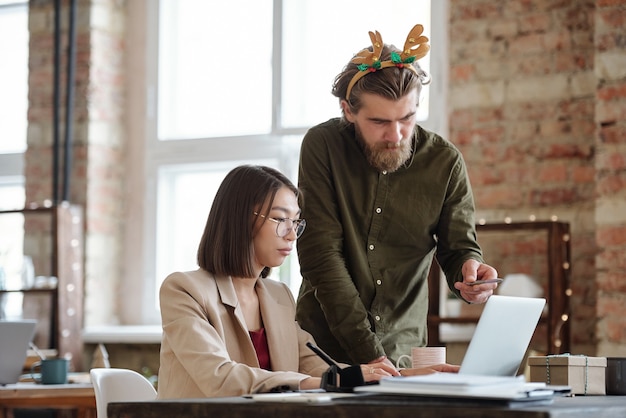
column 259, row 340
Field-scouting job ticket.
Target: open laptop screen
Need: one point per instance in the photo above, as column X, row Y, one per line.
column 15, row 337
column 502, row 336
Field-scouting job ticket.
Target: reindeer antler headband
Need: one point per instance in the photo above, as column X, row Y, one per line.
column 367, row 61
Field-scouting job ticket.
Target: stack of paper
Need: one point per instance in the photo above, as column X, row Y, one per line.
column 461, row 385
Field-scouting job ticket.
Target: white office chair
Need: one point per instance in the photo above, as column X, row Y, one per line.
column 118, row 385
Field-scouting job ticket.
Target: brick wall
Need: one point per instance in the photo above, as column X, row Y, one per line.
column 98, row 140
column 536, row 91
column 610, row 165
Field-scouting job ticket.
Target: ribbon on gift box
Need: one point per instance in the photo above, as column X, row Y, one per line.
column 567, row 355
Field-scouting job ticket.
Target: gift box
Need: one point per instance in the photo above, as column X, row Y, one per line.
column 585, row 375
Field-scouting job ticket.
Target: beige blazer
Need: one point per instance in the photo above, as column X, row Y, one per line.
column 206, row 350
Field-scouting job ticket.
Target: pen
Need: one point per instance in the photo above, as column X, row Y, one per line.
column 322, row 354
column 498, row 280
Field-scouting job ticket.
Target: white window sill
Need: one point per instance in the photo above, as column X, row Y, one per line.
column 123, row 334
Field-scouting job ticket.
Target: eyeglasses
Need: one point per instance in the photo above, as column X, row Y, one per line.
column 285, row 225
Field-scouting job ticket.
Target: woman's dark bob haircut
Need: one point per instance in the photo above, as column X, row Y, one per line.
column 226, row 246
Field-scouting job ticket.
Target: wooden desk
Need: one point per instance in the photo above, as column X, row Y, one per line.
column 374, row 407
column 78, row 396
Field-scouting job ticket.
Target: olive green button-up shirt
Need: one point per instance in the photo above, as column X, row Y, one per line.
column 371, row 237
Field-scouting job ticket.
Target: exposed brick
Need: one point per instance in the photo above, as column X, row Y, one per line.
column 483, row 176
column 569, row 61
column 585, row 129
column 556, row 41
column 610, row 308
column 611, row 19
column 463, row 31
column 525, row 66
column 611, row 184
column 515, row 154
column 517, row 174
column 611, row 258
column 547, row 88
column 476, row 10
column 478, row 94
column 582, row 84
column 610, row 3
column 612, row 282
column 578, row 108
column 585, row 174
column 527, row 45
column 481, row 135
column 611, row 236
column 552, row 128
column 521, row 7
column 535, row 110
column 554, row 196
column 536, row 246
column 535, row 22
column 612, row 92
column 579, row 17
column 463, row 118
column 504, row 28
column 464, row 72
column 555, row 173
column 522, row 130
column 613, row 133
column 563, row 150
column 615, row 328
column 614, row 160
column 610, row 65
column 500, row 197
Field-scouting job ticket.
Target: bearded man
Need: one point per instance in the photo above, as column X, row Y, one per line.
column 383, row 197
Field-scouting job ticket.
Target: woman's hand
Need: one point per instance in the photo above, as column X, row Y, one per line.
column 310, row 383
column 445, row 367
column 377, row 369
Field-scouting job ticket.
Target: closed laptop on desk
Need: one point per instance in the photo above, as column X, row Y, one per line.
column 15, row 337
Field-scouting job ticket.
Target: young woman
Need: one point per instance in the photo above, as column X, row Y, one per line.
column 227, row 329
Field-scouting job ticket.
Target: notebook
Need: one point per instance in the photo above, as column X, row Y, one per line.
column 15, row 337
column 502, row 336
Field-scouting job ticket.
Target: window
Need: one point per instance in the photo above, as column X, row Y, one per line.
column 13, row 110
column 13, row 100
column 225, row 88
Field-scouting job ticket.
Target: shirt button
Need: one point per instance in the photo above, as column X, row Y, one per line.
column 378, row 210
column 377, row 318
column 371, row 247
column 379, row 282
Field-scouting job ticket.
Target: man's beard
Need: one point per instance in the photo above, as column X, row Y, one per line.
column 385, row 156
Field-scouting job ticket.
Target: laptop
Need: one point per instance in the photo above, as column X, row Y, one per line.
column 493, row 357
column 502, row 336
column 15, row 337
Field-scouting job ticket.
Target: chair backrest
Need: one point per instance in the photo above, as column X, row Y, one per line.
column 118, row 385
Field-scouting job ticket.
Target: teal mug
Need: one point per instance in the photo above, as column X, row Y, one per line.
column 52, row 371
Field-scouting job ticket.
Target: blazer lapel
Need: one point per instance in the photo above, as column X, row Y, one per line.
column 278, row 322
column 228, row 296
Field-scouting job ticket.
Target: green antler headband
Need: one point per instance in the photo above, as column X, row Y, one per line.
column 415, row 47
